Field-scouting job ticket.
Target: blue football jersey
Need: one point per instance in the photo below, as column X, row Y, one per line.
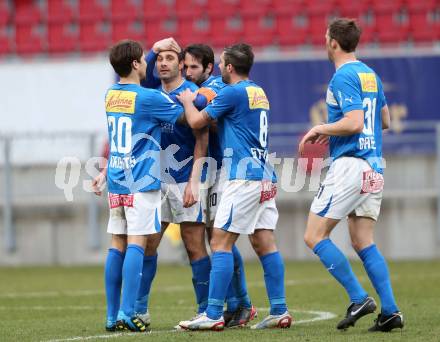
column 242, row 113
column 134, row 116
column 355, row 86
column 210, row 88
column 180, row 165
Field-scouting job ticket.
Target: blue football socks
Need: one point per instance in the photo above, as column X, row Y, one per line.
column 273, row 267
column 339, row 267
column 131, row 275
column 149, row 269
column 113, row 283
column 377, row 270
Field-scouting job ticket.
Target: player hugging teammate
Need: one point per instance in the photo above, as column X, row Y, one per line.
column 194, row 152
column 250, row 188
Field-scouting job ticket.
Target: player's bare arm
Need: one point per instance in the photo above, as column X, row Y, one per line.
column 196, row 119
column 191, row 193
column 351, row 123
column 166, row 44
column 386, row 118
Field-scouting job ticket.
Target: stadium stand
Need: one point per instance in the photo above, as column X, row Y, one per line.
column 30, row 27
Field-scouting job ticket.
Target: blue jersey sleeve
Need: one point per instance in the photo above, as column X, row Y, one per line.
column 347, row 93
column 151, row 81
column 163, row 109
column 199, row 102
column 223, row 103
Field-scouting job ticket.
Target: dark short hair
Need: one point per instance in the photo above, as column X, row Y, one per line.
column 241, row 57
column 202, row 52
column 122, row 55
column 346, row 32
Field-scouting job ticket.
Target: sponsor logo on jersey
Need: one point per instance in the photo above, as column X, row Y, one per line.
column 257, row 98
column 120, row 101
column 368, row 82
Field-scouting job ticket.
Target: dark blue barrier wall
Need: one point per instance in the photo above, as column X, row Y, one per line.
column 296, row 90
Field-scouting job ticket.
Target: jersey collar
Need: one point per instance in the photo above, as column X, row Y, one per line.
column 350, row 62
column 169, row 92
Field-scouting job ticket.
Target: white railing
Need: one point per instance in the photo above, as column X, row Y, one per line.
column 87, row 144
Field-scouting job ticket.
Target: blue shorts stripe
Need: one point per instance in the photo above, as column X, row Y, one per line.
column 228, row 223
column 327, row 207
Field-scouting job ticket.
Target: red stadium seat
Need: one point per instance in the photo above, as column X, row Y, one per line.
column 5, row 13
column 259, row 30
column 417, row 5
column 291, row 30
column 27, row 12
column 368, row 28
column 192, row 30
column 92, row 11
column 226, row 31
column 389, row 28
column 386, row 5
column 126, row 10
column 319, row 7
column 60, row 11
column 156, row 29
column 157, row 9
column 422, row 24
column 190, row 8
column 62, row 37
column 287, row 7
column 255, row 7
column 128, row 30
column 317, row 28
column 319, row 13
column 368, row 35
column 94, row 36
column 352, row 9
column 29, row 39
column 6, row 46
column 223, row 8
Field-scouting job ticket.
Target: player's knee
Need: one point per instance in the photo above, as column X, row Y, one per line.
column 256, row 245
column 195, row 250
column 218, row 244
column 311, row 239
column 152, row 244
column 194, row 241
column 119, row 242
column 359, row 244
column 263, row 246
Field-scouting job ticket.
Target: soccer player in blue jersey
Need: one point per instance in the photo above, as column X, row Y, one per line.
column 134, row 116
column 357, row 114
column 247, row 205
column 199, row 65
column 181, row 202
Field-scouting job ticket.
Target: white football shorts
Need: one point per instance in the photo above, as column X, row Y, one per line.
column 351, row 187
column 134, row 214
column 214, row 196
column 247, row 205
column 172, row 205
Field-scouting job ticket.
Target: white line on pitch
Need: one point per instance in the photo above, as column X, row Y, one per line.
column 320, row 316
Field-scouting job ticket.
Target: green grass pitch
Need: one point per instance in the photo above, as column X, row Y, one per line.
column 68, row 304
